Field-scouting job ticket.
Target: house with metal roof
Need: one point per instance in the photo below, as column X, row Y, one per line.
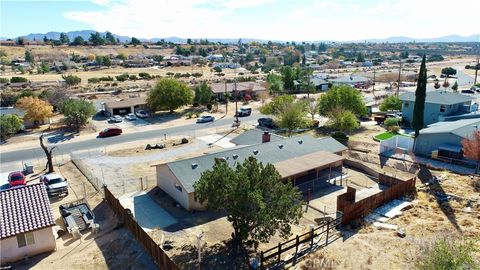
column 351, row 80
column 300, row 159
column 242, row 88
column 255, row 136
column 26, row 222
column 438, row 105
column 444, row 139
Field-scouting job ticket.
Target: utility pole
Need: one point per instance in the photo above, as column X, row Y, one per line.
column 226, row 98
column 373, row 90
column 399, row 77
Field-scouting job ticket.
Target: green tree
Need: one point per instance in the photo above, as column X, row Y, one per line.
column 9, row 124
column 64, row 38
column 109, row 38
column 18, row 79
column 360, row 58
column 77, row 112
column 449, row 71
column 135, row 41
column 122, row 56
column 288, row 76
column 420, row 95
column 256, row 202
column 344, row 120
column 455, row 86
column 71, row 79
column 169, row 94
column 391, row 124
column 203, row 94
column 99, row 60
column 275, row 83
column 404, row 55
column 96, row 39
column 391, row 103
column 107, row 61
column 78, row 41
column 29, row 57
column 277, row 104
column 342, row 97
column 44, row 67
column 293, row 116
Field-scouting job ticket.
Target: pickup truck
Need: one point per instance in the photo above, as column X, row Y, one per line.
column 55, row 184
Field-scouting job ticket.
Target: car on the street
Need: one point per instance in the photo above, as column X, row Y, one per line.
column 244, row 111
column 116, row 119
column 205, row 119
column 141, row 114
column 108, row 132
column 130, row 117
column 16, row 179
column 55, row 184
column 267, row 122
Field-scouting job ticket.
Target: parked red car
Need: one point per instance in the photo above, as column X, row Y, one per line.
column 110, row 132
column 16, row 179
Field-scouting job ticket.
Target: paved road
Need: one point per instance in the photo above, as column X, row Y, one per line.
column 72, row 146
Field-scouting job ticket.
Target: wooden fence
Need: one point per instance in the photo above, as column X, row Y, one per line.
column 352, row 209
column 303, row 244
column 157, row 254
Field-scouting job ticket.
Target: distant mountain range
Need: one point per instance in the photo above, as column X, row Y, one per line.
column 85, row 34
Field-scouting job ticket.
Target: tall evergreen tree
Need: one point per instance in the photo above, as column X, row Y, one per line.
column 420, row 95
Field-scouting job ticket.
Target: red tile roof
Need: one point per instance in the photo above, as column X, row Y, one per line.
column 24, row 209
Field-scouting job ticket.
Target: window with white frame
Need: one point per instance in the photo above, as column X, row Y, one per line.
column 25, row 239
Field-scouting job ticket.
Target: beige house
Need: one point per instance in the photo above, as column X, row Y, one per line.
column 305, row 161
column 26, row 222
column 126, row 106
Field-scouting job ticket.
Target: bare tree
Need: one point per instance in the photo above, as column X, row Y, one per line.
column 48, row 153
column 471, row 148
column 313, row 107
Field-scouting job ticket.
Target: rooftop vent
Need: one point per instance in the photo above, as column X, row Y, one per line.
column 194, row 166
column 280, row 146
column 255, row 152
column 300, row 141
column 235, row 156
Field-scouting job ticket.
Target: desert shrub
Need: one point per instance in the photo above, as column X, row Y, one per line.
column 144, row 75
column 106, row 79
column 123, row 77
column 4, row 80
column 93, row 80
column 114, row 84
column 18, row 80
column 133, row 77
column 445, row 253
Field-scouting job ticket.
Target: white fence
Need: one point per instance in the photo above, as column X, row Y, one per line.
column 401, row 143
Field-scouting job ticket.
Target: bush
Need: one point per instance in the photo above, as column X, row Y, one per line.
column 448, row 254
column 71, row 79
column 4, row 80
column 391, row 122
column 106, row 79
column 94, row 80
column 341, row 137
column 144, row 76
column 123, row 77
column 133, row 78
column 18, row 80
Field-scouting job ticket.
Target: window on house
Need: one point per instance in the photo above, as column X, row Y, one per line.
column 177, row 186
column 442, row 108
column 25, row 239
column 406, row 104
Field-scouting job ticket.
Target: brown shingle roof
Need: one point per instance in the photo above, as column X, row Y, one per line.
column 241, row 86
column 24, row 209
column 126, row 103
column 291, row 167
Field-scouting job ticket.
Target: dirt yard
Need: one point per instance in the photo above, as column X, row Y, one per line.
column 112, row 248
column 373, row 248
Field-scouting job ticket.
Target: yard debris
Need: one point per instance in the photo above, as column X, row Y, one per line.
column 385, row 226
column 401, row 233
column 167, row 245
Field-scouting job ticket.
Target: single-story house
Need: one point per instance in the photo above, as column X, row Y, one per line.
column 251, row 88
column 126, row 106
column 445, row 137
column 438, row 104
column 255, row 136
column 354, row 81
column 298, row 159
column 320, row 84
column 21, row 113
column 26, row 222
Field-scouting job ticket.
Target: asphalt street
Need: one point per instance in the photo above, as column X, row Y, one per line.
column 70, row 146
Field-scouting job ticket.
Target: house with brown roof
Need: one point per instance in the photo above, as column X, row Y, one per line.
column 126, row 106
column 244, row 88
column 26, row 222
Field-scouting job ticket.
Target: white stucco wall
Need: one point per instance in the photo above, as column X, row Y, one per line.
column 166, row 180
column 44, row 242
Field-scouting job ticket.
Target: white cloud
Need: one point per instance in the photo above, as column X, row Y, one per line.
column 282, row 20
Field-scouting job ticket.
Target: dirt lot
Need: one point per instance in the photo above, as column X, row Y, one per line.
column 373, row 248
column 112, row 248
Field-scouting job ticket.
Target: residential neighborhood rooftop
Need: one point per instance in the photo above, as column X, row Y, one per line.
column 241, row 86
column 126, row 102
column 188, row 171
column 253, row 136
column 463, row 128
column 24, row 209
column 438, row 97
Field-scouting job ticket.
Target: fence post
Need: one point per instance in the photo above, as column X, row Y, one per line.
column 296, row 250
column 311, row 237
column 141, row 183
column 261, row 260
column 279, row 251
column 328, row 229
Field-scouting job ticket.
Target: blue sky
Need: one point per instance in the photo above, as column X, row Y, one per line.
column 264, row 19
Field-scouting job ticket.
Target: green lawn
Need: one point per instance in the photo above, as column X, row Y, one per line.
column 387, row 135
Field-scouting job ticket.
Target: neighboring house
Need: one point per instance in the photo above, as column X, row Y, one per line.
column 26, row 222
column 21, row 113
column 227, row 65
column 438, row 104
column 298, row 159
column 126, row 106
column 354, row 81
column 251, row 88
column 445, row 137
column 320, row 85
